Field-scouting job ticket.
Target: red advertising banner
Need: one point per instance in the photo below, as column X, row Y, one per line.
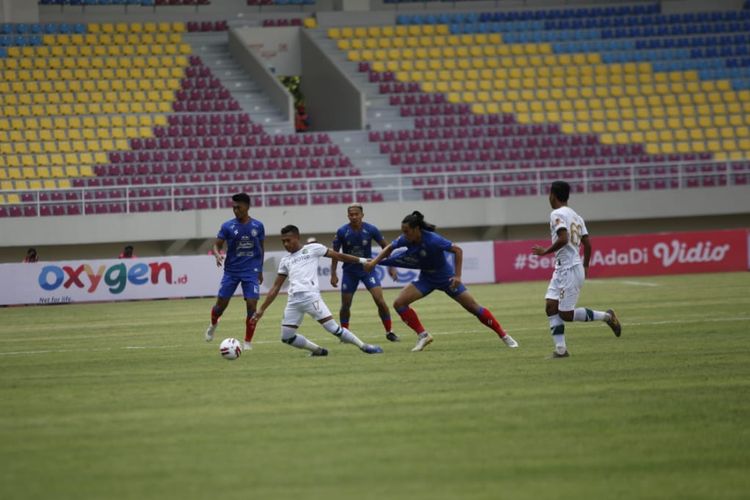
column 633, row 255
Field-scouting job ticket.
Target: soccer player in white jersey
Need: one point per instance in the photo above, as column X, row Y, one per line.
column 301, row 267
column 568, row 233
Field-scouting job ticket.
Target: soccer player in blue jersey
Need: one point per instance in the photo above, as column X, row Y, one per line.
column 425, row 250
column 356, row 238
column 244, row 237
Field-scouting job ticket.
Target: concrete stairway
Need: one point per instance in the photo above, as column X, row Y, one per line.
column 213, row 50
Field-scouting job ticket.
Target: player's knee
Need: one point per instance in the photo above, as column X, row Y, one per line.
column 550, row 309
column 288, row 334
column 566, row 315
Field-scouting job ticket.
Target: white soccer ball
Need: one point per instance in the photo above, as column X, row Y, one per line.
column 230, row 349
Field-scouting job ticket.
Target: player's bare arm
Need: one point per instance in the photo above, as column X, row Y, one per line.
column 216, row 250
column 270, row 297
column 586, row 242
column 562, row 240
column 370, row 265
column 391, row 270
column 459, row 253
column 345, row 257
column 334, row 276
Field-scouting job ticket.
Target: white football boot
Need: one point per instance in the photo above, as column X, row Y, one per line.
column 210, row 332
column 423, row 341
column 510, row 341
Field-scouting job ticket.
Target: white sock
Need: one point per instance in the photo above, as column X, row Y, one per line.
column 291, row 337
column 583, row 314
column 344, row 334
column 349, row 338
column 557, row 328
column 301, row 342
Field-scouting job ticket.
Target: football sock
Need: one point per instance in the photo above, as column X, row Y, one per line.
column 301, row 342
column 291, row 337
column 249, row 327
column 485, row 317
column 557, row 328
column 215, row 315
column 345, row 335
column 583, row 314
column 411, row 319
column 349, row 338
column 387, row 323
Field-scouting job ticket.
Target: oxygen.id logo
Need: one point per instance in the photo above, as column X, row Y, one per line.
column 116, row 276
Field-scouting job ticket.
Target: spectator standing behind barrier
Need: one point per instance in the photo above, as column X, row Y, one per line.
column 127, row 253
column 31, row 256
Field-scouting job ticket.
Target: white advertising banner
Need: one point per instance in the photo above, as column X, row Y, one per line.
column 104, row 280
column 170, row 277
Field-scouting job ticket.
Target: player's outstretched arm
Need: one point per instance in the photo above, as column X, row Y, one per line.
column 370, row 265
column 270, row 297
column 345, row 257
column 391, row 270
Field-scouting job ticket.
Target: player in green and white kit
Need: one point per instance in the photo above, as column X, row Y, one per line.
column 568, row 231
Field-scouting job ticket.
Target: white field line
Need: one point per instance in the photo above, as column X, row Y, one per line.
column 623, row 282
column 257, row 342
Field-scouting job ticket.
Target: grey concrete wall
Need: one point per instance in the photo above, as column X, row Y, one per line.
column 278, row 48
column 257, row 70
column 19, row 11
column 332, row 99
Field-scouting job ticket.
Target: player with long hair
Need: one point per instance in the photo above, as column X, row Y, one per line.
column 425, row 250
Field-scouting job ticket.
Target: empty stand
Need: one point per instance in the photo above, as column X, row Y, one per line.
column 135, row 123
column 565, row 87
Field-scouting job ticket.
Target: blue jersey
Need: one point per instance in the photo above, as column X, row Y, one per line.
column 244, row 250
column 428, row 255
column 357, row 243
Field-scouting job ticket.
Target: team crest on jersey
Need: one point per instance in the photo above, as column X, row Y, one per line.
column 364, row 242
column 254, row 232
column 304, row 251
column 423, row 253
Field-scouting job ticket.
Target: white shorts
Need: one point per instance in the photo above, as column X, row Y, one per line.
column 565, row 286
column 296, row 309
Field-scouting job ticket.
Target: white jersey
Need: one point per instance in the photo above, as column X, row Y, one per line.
column 302, row 269
column 567, row 218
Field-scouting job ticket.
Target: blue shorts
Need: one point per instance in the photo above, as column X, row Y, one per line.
column 250, row 286
column 350, row 280
column 426, row 284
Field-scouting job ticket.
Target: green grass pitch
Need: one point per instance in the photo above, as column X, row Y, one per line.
column 127, row 401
